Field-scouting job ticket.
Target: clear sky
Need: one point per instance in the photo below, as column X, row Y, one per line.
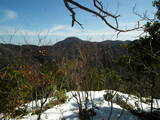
column 49, row 20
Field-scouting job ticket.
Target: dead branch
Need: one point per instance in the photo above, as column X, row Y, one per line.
column 102, row 14
column 143, row 16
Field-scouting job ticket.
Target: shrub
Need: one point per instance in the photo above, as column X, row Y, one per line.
column 61, row 96
column 108, row 96
column 14, row 90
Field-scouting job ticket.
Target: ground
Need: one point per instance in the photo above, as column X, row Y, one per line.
column 69, row 110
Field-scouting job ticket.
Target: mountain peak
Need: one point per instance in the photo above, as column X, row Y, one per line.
column 72, row 39
column 69, row 41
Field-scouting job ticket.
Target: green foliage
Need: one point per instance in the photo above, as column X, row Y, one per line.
column 14, row 90
column 148, row 100
column 147, row 47
column 61, row 96
column 113, row 80
column 108, row 96
column 88, row 78
column 156, row 4
column 144, row 59
column 93, row 79
column 124, row 46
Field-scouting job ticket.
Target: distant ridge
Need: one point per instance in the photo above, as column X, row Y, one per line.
column 69, row 48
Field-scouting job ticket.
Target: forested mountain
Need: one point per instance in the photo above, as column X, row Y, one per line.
column 99, row 53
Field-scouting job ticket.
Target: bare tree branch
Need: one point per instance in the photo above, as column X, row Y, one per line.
column 143, row 16
column 102, row 14
column 73, row 14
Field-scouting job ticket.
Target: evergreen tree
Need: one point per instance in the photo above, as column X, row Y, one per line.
column 145, row 54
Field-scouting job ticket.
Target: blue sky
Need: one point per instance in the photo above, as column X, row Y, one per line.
column 30, row 20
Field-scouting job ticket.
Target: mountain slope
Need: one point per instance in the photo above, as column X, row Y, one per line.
column 71, row 48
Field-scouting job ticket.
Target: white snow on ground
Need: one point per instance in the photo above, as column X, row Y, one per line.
column 136, row 102
column 34, row 104
column 1, row 115
column 69, row 110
